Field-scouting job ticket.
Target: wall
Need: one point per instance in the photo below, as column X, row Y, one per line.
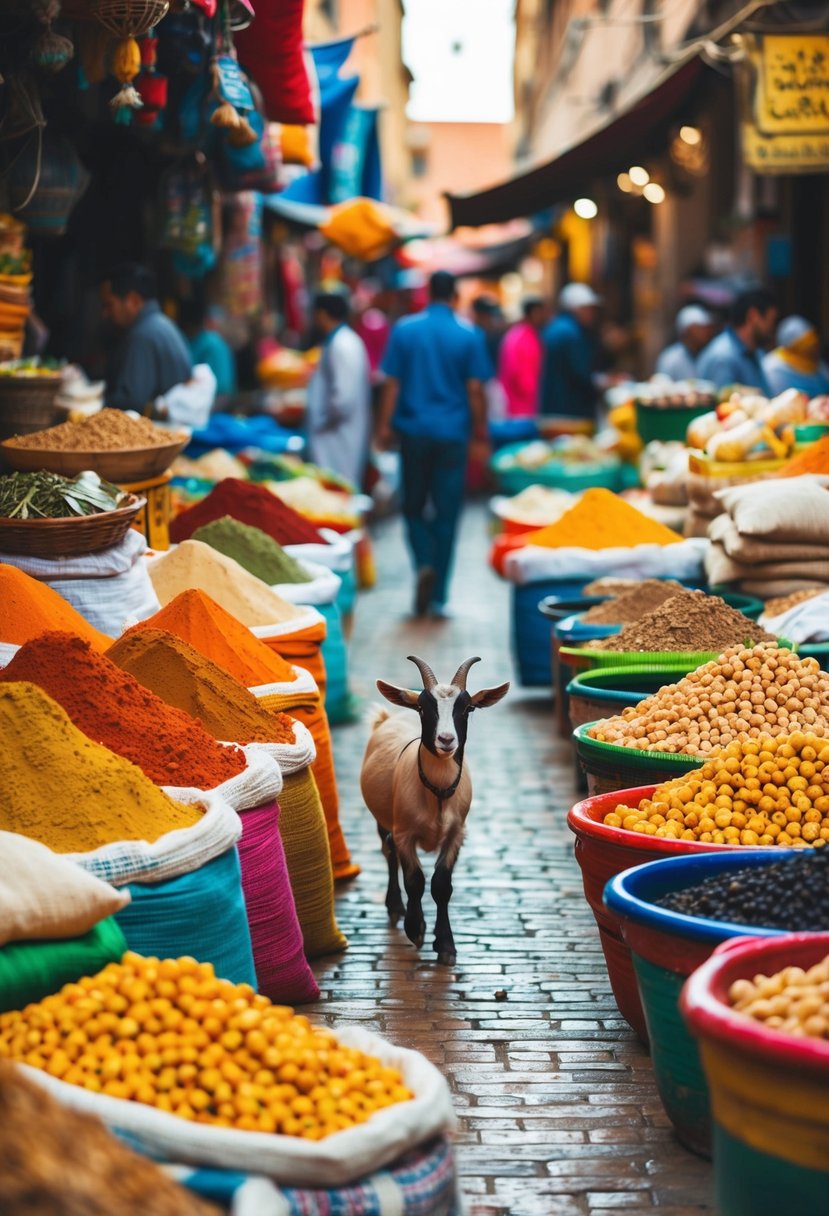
column 459, row 157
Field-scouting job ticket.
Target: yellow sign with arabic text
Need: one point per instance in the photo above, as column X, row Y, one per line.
column 785, row 124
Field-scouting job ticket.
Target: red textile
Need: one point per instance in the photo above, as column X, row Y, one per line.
column 271, row 50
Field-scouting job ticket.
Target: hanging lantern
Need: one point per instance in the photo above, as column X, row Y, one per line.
column 127, row 19
column 51, row 52
column 151, row 85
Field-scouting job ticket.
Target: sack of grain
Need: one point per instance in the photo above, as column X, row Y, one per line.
column 259, row 781
column 806, row 622
column 797, row 510
column 323, row 593
column 750, row 550
column 337, row 1160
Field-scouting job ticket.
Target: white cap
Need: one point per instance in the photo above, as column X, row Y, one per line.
column 792, row 329
column 692, row 314
column 577, row 295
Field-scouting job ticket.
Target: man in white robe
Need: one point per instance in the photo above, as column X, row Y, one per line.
column 339, row 395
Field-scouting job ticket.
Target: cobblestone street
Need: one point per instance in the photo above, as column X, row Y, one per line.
column 558, row 1110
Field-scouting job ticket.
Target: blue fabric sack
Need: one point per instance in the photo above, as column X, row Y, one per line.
column 201, row 914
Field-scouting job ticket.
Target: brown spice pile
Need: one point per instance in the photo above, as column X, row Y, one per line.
column 610, row 586
column 689, row 621
column 106, row 431
column 783, row 603
column 633, row 604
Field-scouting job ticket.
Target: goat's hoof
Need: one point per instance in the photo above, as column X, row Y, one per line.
column 416, row 935
column 395, row 916
column 447, row 958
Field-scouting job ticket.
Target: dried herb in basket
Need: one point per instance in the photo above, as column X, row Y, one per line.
column 49, row 496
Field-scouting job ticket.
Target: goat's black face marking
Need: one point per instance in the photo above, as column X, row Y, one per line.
column 428, row 709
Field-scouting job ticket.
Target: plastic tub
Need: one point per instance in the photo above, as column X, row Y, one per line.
column 611, row 768
column 603, row 852
column 666, row 947
column 511, row 478
column 815, row 650
column 667, row 423
column 769, row 1091
column 530, row 629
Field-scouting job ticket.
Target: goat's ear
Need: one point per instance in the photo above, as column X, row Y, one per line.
column 398, row 696
column 485, row 697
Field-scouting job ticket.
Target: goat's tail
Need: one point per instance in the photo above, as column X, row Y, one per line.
column 376, row 714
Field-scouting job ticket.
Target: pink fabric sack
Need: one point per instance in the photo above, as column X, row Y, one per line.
column 282, row 971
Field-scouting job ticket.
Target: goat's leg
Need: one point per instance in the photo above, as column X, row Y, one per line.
column 394, row 900
column 415, row 883
column 444, row 943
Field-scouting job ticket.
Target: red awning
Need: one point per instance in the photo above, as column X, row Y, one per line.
column 607, row 151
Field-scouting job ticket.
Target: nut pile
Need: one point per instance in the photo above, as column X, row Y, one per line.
column 792, row 895
column 757, row 792
column 744, row 693
column 793, row 1001
column 171, row 1035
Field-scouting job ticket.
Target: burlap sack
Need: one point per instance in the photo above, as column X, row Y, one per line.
column 749, row 550
column 797, row 509
column 769, row 590
column 720, row 568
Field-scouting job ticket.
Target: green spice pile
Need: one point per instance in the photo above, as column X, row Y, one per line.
column 49, row 496
column 253, row 549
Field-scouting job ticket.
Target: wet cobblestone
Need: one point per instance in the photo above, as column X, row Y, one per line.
column 559, row 1114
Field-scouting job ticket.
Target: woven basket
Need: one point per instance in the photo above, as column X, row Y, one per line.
column 129, row 18
column 121, row 466
column 54, row 538
column 27, row 403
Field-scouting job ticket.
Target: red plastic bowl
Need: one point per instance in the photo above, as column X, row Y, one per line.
column 602, row 852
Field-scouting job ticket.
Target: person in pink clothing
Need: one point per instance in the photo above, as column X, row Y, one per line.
column 519, row 361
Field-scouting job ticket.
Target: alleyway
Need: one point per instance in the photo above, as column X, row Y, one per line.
column 559, row 1113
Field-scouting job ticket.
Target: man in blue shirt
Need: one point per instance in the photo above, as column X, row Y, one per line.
column 433, row 399
column 735, row 355
column 152, row 356
column 570, row 349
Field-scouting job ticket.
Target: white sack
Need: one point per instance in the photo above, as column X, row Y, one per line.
column 532, row 564
column 189, row 404
column 336, row 1161
column 173, row 854
column 337, row 555
column 793, row 509
column 807, row 622
column 323, row 588
column 259, row 782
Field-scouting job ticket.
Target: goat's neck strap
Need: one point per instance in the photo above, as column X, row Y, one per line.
column 440, row 792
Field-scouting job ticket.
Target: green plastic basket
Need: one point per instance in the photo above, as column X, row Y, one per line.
column 607, row 691
column 609, row 767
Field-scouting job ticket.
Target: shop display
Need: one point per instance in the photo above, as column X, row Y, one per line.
column 760, row 791
column 251, row 504
column 792, row 1001
column 196, row 567
column 298, row 1080
column 253, row 549
column 749, row 427
column 112, row 708
column 791, row 895
column 687, row 620
column 765, row 690
column 77, row 795
column 187, row 679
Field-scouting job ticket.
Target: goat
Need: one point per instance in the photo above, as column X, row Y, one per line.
column 420, row 796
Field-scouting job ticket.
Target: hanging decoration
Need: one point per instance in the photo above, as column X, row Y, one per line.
column 127, row 20
column 234, row 102
column 51, row 51
column 151, row 85
column 191, row 225
column 93, row 47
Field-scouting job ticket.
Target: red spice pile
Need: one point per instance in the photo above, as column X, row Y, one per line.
column 251, row 504
column 112, row 708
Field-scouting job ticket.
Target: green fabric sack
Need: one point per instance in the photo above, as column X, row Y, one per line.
column 31, row 970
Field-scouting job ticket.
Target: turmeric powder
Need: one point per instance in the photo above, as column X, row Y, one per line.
column 60, row 788
column 602, row 520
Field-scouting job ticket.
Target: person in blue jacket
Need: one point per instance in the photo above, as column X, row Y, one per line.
column 571, row 346
column 736, row 355
column 796, row 362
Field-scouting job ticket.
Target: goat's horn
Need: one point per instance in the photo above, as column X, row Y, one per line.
column 459, row 678
column 428, row 676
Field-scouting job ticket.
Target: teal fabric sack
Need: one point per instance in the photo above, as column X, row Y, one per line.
column 201, row 914
column 33, row 969
column 338, row 701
